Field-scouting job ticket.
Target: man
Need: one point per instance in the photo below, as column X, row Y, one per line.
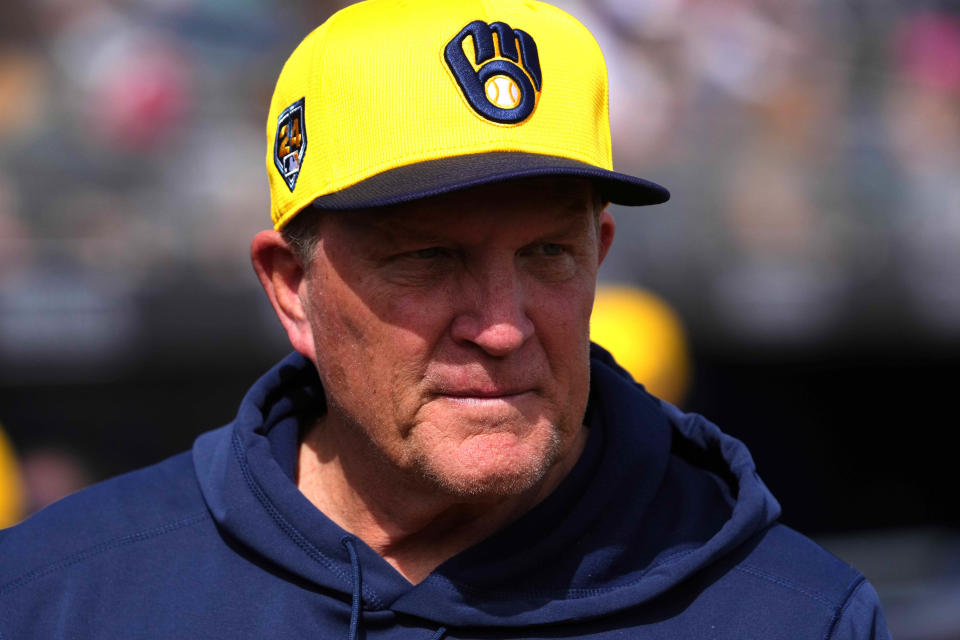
column 445, row 455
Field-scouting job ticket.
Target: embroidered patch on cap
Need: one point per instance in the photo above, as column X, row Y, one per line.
column 501, row 86
column 290, row 144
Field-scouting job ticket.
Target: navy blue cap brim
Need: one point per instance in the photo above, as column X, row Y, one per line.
column 446, row 175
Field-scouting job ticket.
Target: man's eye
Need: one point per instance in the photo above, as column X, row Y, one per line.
column 429, row 253
column 552, row 249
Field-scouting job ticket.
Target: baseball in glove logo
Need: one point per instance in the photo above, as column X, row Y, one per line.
column 290, row 144
column 503, row 81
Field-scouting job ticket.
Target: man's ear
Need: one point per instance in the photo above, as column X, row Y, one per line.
column 607, row 229
column 284, row 280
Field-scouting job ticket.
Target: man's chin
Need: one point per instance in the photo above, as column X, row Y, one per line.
column 491, row 486
column 481, row 476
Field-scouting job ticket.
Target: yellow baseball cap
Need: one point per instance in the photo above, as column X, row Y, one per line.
column 394, row 100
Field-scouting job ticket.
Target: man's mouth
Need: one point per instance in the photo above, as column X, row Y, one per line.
column 485, row 395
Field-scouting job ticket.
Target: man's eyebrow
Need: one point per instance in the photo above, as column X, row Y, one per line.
column 572, row 216
column 389, row 231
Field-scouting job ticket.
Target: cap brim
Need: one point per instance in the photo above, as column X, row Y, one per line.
column 436, row 177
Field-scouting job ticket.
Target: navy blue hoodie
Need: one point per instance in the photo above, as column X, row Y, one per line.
column 661, row 530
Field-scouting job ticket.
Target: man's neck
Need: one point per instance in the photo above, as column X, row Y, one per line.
column 410, row 522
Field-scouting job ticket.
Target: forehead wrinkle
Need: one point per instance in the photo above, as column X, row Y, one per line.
column 384, row 228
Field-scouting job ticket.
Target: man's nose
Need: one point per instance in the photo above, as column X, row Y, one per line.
column 493, row 312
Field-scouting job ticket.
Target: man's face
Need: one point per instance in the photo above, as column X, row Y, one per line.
column 452, row 333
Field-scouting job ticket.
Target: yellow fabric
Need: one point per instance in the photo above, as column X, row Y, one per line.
column 11, row 487
column 647, row 338
column 378, row 94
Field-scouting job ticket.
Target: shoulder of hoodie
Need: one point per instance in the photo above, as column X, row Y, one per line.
column 90, row 526
column 777, row 555
column 782, row 560
column 785, row 558
column 790, row 566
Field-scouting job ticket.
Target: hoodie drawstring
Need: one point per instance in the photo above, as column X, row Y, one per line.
column 355, row 607
column 348, row 542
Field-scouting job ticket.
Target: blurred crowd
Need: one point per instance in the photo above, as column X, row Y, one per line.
column 811, row 147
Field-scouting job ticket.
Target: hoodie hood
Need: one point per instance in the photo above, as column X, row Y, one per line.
column 657, row 496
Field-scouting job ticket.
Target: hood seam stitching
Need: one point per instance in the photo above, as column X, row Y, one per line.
column 89, row 552
column 787, row 584
column 858, row 582
column 571, row 594
column 285, row 527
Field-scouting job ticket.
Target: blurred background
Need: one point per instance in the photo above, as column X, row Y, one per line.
column 801, row 288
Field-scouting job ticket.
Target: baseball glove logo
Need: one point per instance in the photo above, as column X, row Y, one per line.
column 290, row 143
column 500, row 87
